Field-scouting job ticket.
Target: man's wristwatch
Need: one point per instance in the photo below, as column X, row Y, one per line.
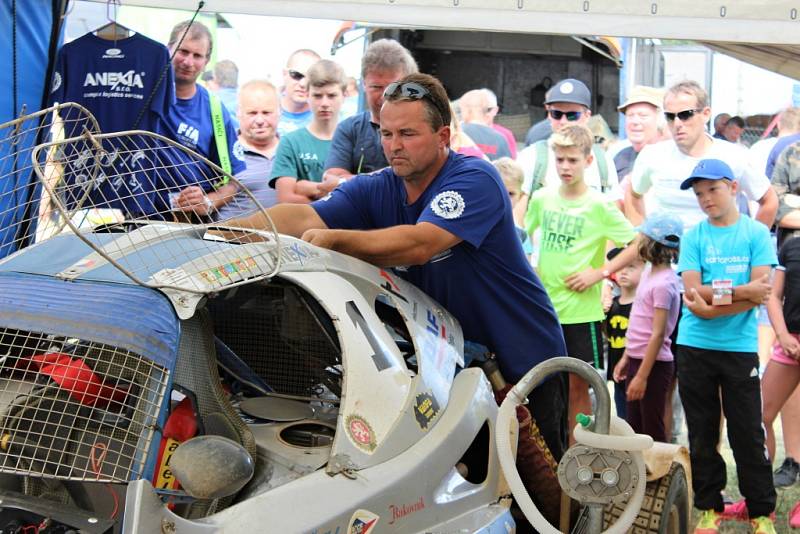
column 209, row 204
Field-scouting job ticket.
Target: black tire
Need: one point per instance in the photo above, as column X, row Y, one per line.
column 665, row 509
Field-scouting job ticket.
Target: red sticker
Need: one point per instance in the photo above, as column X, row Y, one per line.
column 360, row 432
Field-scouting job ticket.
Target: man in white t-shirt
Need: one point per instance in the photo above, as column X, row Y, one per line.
column 567, row 101
column 660, row 168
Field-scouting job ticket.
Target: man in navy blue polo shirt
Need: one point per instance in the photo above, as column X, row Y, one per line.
column 444, row 222
column 356, row 146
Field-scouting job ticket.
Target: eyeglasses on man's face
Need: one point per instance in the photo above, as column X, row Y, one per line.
column 296, row 75
column 684, row 115
column 571, row 116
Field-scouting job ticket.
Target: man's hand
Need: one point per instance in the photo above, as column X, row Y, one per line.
column 307, row 188
column 696, row 304
column 583, row 280
column 756, row 291
column 636, row 388
column 193, row 199
column 327, row 185
column 790, row 345
column 320, row 238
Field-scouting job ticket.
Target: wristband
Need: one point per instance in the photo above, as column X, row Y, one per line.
column 209, row 204
column 341, row 181
column 606, row 273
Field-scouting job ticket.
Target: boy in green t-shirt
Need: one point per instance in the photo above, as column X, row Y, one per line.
column 297, row 171
column 575, row 224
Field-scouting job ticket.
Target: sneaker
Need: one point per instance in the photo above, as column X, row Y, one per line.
column 794, row 516
column 787, row 473
column 735, row 511
column 763, row 525
column 708, row 523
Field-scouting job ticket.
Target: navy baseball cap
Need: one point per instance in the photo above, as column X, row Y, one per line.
column 571, row 91
column 663, row 228
column 709, row 169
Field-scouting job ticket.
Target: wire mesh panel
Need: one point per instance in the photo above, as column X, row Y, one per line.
column 117, row 182
column 283, row 336
column 26, row 213
column 77, row 410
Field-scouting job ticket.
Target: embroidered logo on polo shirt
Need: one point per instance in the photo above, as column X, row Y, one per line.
column 448, row 205
column 238, row 151
column 56, row 82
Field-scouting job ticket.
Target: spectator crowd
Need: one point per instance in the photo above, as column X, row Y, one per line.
column 669, row 259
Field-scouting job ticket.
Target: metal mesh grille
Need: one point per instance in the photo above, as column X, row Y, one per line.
column 284, row 338
column 76, row 179
column 28, row 214
column 77, row 410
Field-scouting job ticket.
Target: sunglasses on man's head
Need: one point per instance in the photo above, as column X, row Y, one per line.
column 414, row 91
column 411, row 90
column 570, row 115
column 684, row 115
column 296, row 75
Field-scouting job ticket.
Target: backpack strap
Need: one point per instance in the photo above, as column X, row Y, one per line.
column 540, row 167
column 220, row 138
column 602, row 166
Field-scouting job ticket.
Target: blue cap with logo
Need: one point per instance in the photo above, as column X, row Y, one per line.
column 709, row 169
column 663, row 228
column 570, row 91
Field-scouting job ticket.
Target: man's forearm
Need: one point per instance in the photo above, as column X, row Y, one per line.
column 791, row 220
column 336, row 173
column 388, row 247
column 223, row 195
column 290, row 219
column 767, row 208
column 634, row 206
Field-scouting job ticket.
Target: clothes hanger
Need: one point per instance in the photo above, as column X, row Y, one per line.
column 112, row 30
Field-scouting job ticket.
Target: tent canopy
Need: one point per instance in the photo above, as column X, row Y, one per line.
column 762, row 33
column 737, row 21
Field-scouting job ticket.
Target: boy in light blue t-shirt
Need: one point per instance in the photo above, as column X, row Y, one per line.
column 725, row 263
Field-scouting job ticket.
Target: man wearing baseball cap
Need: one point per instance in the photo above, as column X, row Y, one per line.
column 568, row 101
column 644, row 124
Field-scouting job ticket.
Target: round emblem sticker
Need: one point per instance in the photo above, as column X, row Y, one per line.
column 567, row 88
column 448, row 205
column 360, row 432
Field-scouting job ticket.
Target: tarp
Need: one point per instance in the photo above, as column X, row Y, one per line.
column 783, row 59
column 26, row 27
column 749, row 21
column 29, row 35
column 131, row 317
column 730, row 27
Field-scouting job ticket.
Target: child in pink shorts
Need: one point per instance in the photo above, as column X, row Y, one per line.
column 783, row 370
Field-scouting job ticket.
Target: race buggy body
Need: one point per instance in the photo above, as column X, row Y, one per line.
column 160, row 373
